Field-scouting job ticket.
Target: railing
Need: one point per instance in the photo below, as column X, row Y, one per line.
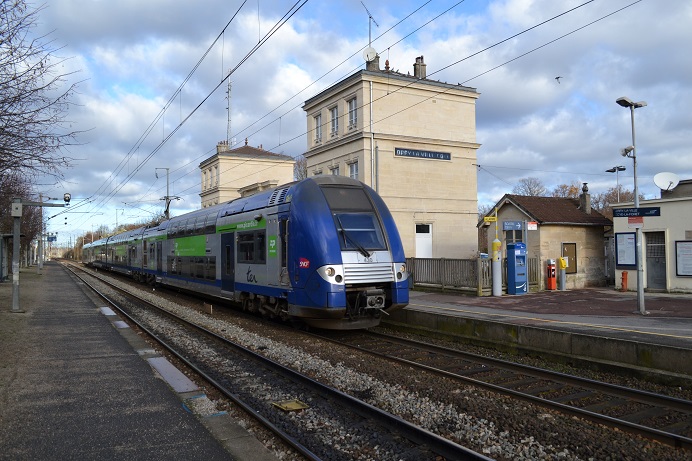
column 469, row 275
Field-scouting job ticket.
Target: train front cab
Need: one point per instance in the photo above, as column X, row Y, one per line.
column 346, row 260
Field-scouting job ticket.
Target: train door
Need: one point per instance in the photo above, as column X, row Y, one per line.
column 284, row 278
column 159, row 257
column 228, row 261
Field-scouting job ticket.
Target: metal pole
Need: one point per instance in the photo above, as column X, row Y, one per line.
column 496, row 265
column 640, row 235
column 39, row 266
column 15, row 260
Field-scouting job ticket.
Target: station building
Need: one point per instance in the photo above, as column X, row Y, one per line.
column 245, row 170
column 666, row 246
column 413, row 140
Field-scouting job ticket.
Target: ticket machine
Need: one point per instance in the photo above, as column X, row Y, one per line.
column 551, row 276
column 517, row 270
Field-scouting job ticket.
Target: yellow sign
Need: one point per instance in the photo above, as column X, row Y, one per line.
column 490, row 219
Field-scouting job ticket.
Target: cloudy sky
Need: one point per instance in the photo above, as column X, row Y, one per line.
column 153, row 87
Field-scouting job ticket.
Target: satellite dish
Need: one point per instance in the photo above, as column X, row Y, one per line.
column 369, row 54
column 666, row 181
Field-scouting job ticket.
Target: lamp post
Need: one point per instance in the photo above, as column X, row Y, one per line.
column 616, row 170
column 632, row 153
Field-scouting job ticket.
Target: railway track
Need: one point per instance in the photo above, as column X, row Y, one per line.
column 658, row 417
column 334, row 425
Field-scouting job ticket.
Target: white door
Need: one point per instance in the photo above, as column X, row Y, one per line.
column 423, row 240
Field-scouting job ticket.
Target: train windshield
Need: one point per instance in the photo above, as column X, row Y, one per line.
column 355, row 218
column 359, row 231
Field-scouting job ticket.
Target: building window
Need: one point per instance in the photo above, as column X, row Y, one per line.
column 334, row 113
column 317, row 172
column 217, row 175
column 352, row 114
column 204, row 179
column 334, row 171
column 318, row 128
column 353, row 170
column 513, row 236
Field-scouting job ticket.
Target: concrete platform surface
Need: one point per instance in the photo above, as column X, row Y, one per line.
column 73, row 387
column 596, row 311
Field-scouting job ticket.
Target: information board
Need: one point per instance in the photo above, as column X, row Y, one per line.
column 626, row 249
column 683, row 258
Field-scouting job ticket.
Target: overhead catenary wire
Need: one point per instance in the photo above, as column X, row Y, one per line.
column 450, row 65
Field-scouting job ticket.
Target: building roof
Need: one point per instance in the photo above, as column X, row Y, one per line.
column 554, row 210
column 248, row 152
column 404, row 80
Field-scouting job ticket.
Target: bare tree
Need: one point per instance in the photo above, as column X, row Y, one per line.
column 603, row 202
column 484, row 209
column 11, row 186
column 300, row 168
column 33, row 98
column 530, row 186
column 571, row 190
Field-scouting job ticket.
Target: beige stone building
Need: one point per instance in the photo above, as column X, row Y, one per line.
column 413, row 140
column 233, row 173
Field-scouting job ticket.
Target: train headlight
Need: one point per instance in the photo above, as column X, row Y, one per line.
column 402, row 269
column 332, row 273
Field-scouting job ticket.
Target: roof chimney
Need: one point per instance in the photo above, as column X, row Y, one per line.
column 585, row 199
column 374, row 64
column 419, row 68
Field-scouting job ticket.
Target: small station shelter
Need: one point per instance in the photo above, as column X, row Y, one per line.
column 552, row 228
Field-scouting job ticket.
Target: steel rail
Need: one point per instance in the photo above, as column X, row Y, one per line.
column 675, row 440
column 416, row 434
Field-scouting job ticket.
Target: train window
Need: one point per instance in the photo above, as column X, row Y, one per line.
column 199, row 225
column 211, row 223
column 246, row 247
column 252, row 247
column 211, row 268
column 347, row 198
column 190, row 226
column 359, row 231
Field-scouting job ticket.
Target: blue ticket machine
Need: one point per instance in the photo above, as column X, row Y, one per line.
column 517, row 281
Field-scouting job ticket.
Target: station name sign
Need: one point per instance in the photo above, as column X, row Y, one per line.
column 399, row 152
column 632, row 212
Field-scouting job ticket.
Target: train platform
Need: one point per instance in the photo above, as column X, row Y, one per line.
column 77, row 383
column 591, row 323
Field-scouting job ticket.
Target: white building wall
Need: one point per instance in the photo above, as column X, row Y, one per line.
column 676, row 224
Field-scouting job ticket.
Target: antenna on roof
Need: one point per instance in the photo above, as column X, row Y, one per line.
column 369, row 53
column 370, row 21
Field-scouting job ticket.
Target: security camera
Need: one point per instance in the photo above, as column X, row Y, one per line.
column 67, row 198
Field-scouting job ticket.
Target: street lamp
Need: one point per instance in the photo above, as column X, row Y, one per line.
column 632, row 153
column 616, row 170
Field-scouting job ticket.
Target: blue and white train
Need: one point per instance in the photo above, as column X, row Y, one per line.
column 324, row 251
